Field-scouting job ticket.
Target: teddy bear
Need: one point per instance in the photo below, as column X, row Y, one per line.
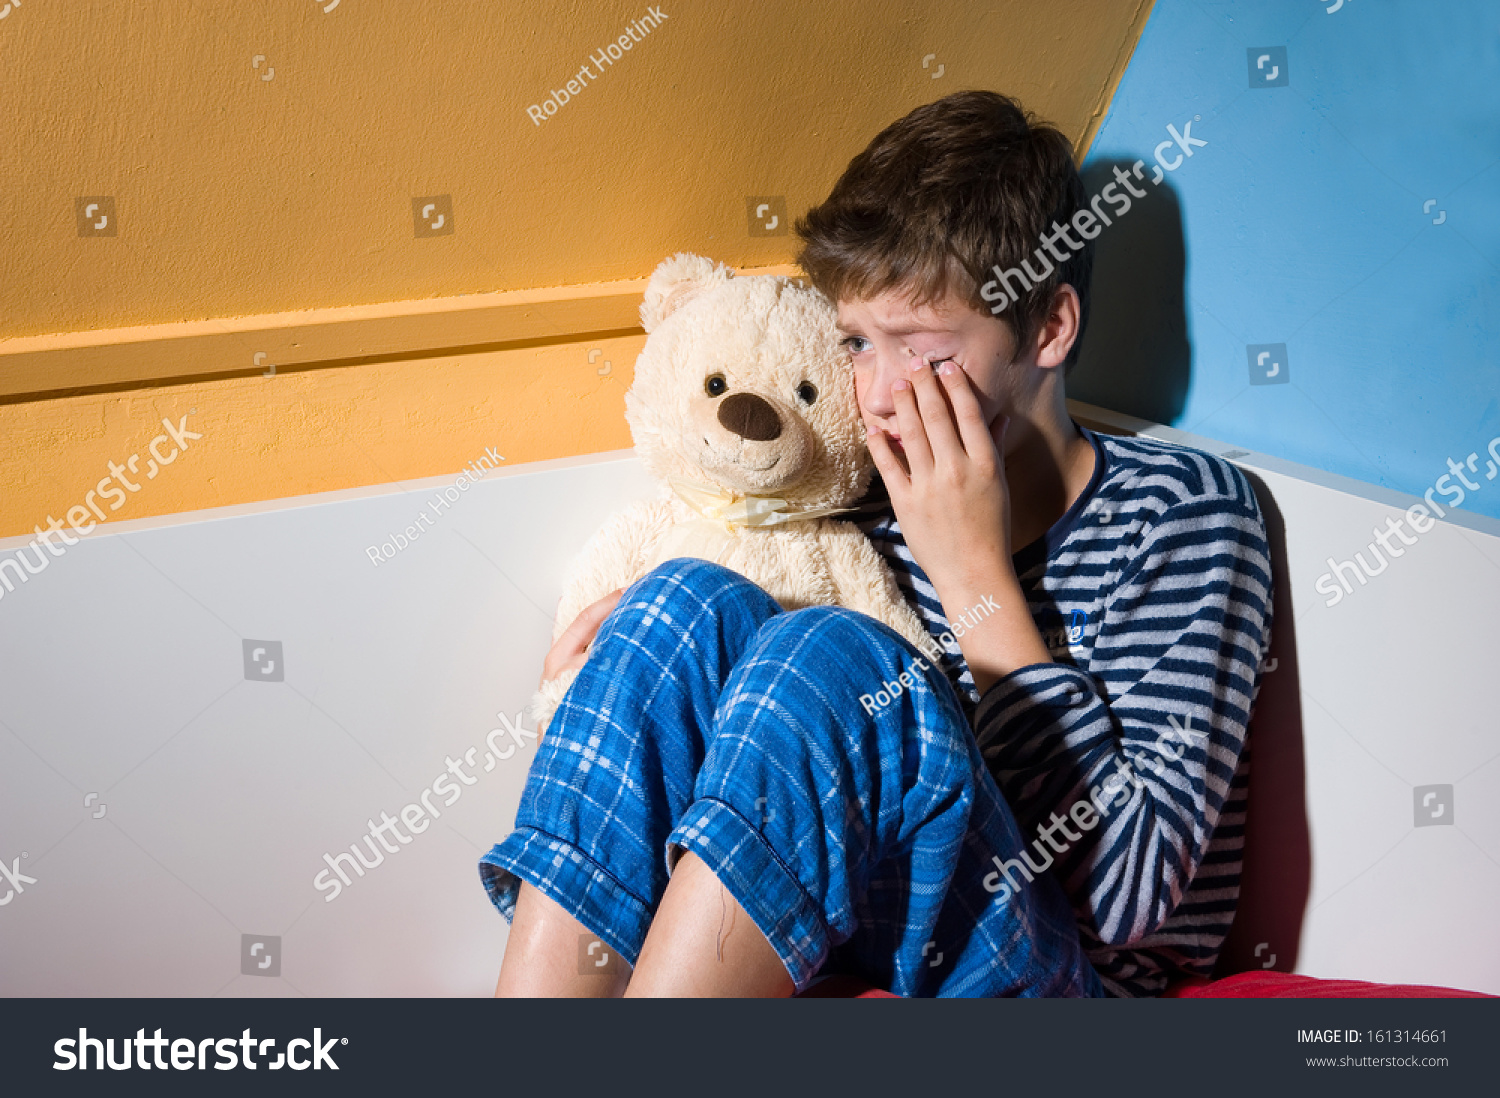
column 743, row 408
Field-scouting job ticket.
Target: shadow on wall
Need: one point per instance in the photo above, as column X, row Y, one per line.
column 1277, row 874
column 1135, row 356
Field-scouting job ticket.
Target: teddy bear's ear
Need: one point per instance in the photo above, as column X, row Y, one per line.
column 676, row 282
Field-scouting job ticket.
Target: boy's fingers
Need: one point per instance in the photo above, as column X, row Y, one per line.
column 587, row 623
column 913, row 433
column 605, row 606
column 972, row 430
column 886, row 461
column 937, row 417
column 570, row 650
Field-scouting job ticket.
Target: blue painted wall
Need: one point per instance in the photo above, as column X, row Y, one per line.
column 1342, row 223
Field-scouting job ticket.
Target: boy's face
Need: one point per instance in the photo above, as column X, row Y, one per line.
column 880, row 334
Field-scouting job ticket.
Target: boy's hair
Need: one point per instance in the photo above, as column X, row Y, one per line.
column 942, row 196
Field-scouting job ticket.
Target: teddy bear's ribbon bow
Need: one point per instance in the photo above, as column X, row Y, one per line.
column 734, row 509
column 722, row 515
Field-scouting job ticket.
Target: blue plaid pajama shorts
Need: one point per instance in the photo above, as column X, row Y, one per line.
column 707, row 718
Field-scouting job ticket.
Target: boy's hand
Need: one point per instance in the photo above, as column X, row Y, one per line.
column 953, row 504
column 949, row 495
column 569, row 650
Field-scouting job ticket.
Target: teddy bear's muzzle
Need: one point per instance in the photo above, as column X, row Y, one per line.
column 751, row 445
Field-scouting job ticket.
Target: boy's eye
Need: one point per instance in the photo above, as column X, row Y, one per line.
column 716, row 385
column 807, row 392
column 848, row 344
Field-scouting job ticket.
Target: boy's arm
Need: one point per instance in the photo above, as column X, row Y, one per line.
column 1181, row 640
column 1000, row 636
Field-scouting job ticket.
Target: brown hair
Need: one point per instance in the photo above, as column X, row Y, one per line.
column 941, row 197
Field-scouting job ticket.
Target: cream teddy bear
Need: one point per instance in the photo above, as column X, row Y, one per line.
column 743, row 407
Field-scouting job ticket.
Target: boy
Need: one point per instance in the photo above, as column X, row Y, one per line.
column 1060, row 810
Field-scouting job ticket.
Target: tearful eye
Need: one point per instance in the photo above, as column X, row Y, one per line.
column 807, row 392
column 716, row 385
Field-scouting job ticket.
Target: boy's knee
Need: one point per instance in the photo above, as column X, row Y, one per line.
column 875, row 665
column 702, row 577
column 843, row 647
column 849, row 629
column 688, row 585
column 821, row 725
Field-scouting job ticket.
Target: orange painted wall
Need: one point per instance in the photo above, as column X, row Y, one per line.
column 237, row 195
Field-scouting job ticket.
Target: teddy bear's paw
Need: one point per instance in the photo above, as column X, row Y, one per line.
column 540, row 710
column 910, row 626
column 546, row 700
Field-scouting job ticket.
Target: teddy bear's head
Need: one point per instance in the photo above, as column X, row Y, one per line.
column 742, row 384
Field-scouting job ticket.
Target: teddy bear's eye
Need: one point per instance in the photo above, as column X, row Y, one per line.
column 716, row 385
column 807, row 392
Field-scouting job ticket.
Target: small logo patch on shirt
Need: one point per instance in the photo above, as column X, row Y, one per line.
column 1067, row 633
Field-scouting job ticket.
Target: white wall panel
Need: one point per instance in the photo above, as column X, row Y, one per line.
column 122, row 674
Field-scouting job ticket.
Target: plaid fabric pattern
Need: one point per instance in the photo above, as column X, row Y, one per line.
column 708, row 719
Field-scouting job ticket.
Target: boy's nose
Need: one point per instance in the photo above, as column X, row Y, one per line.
column 877, row 393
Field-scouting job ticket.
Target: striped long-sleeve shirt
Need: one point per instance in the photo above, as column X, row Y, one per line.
column 1153, row 595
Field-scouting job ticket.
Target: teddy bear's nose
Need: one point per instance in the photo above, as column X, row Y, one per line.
column 750, row 417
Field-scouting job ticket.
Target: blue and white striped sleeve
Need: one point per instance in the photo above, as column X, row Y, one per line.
column 1148, row 739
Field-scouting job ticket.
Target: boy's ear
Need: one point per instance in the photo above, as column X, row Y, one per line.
column 1060, row 328
column 677, row 281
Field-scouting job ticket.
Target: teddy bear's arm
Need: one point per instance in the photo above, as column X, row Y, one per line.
column 865, row 583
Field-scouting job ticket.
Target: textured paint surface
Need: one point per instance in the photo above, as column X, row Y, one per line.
column 238, row 195
column 296, row 434
column 1341, row 221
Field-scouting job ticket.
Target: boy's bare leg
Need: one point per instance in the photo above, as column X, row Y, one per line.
column 541, row 955
column 701, row 943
